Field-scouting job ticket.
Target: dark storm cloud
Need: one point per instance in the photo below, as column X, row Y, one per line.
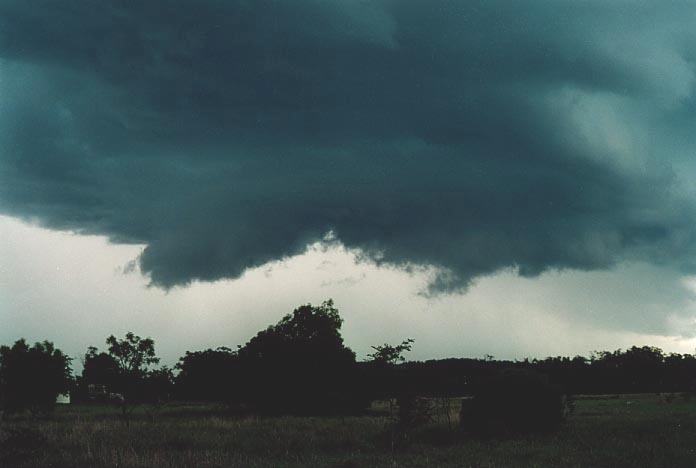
column 472, row 136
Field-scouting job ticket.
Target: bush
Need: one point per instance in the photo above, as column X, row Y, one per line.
column 32, row 377
column 514, row 401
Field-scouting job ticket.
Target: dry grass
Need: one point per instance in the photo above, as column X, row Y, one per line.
column 635, row 431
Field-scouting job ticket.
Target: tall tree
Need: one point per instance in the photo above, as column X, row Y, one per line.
column 129, row 358
column 300, row 364
column 133, row 354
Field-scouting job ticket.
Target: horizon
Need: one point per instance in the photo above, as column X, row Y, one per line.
column 75, row 272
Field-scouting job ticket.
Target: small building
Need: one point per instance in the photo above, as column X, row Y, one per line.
column 63, row 399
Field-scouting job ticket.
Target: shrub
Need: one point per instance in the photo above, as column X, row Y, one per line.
column 514, row 401
column 31, row 377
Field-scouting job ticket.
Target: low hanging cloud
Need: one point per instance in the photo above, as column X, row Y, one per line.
column 469, row 136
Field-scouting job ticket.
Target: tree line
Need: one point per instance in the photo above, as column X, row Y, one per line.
column 301, row 365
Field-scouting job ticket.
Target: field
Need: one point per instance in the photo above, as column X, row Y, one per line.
column 628, row 431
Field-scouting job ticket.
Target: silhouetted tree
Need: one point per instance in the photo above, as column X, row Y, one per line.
column 300, row 365
column 32, row 377
column 384, row 377
column 133, row 354
column 99, row 368
column 635, row 370
column 680, row 373
column 125, row 369
column 210, row 375
column 389, row 354
column 158, row 386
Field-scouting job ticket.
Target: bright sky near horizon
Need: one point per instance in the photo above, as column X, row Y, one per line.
column 76, row 290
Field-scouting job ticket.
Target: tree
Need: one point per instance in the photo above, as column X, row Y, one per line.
column 32, row 377
column 100, row 369
column 125, row 369
column 388, row 354
column 133, row 354
column 210, row 375
column 300, row 365
column 382, row 373
column 158, row 386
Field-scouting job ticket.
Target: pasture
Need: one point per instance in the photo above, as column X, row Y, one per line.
column 628, row 431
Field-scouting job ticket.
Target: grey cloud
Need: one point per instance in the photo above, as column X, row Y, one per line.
column 470, row 136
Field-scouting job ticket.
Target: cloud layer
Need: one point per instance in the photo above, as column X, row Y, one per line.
column 469, row 136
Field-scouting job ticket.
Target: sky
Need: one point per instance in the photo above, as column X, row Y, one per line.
column 486, row 177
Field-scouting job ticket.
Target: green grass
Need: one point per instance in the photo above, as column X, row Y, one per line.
column 629, row 431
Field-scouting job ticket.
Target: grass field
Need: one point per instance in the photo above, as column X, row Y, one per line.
column 629, row 431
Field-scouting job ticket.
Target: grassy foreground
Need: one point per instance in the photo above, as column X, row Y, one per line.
column 629, row 431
